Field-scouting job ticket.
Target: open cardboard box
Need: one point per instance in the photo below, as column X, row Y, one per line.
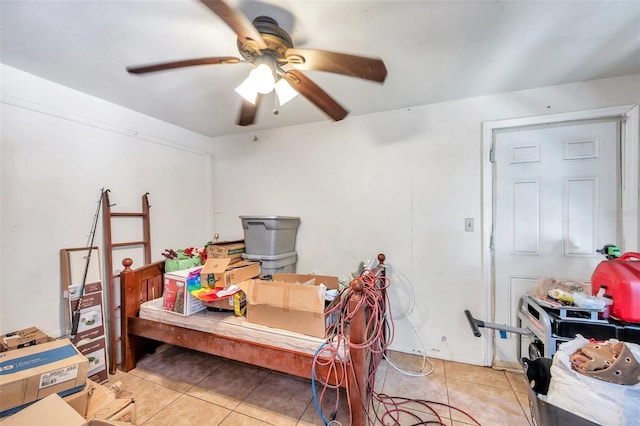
column 54, row 411
column 290, row 302
column 105, row 404
column 79, row 401
column 220, row 273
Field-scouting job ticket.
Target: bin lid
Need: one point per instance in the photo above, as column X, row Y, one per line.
column 260, row 257
column 270, row 217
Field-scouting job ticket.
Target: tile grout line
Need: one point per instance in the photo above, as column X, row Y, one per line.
column 446, row 388
column 524, row 412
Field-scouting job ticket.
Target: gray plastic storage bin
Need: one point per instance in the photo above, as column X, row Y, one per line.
column 269, row 235
column 278, row 264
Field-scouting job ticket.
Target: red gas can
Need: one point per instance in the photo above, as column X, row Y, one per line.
column 621, row 276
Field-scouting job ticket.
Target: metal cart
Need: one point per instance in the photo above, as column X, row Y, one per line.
column 550, row 325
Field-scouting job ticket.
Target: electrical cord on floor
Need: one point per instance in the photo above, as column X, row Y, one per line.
column 394, row 407
column 379, row 332
column 422, row 373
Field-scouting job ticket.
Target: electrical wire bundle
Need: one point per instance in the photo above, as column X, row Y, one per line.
column 394, row 406
column 369, row 290
column 334, row 352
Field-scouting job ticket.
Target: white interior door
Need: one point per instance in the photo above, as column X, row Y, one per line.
column 555, row 192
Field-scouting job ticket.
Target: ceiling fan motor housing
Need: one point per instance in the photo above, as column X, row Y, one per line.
column 277, row 40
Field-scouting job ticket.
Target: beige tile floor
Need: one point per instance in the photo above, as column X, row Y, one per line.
column 175, row 386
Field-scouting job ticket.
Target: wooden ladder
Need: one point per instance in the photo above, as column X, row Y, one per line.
column 109, row 245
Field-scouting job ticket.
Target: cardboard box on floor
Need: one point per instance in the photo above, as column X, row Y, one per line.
column 219, row 273
column 22, row 338
column 289, row 304
column 228, row 249
column 34, row 372
column 105, row 404
column 79, row 401
column 54, row 411
column 96, row 401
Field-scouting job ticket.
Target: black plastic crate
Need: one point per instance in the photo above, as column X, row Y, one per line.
column 570, row 327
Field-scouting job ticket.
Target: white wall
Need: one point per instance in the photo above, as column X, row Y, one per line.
column 59, row 148
column 400, row 182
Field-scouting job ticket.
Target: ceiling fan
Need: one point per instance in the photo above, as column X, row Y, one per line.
column 278, row 64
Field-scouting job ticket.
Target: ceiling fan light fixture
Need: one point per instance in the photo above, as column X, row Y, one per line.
column 247, row 90
column 262, row 78
column 284, row 91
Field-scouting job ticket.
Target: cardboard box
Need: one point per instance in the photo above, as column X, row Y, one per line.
column 229, row 249
column 176, row 296
column 329, row 281
column 53, row 411
column 32, row 373
column 79, row 401
column 104, row 404
column 98, row 422
column 22, row 338
column 236, row 303
column 219, row 273
column 224, row 304
column 289, row 304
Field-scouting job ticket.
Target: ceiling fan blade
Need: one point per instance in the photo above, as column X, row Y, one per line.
column 247, row 33
column 315, row 94
column 248, row 112
column 340, row 63
column 179, row 64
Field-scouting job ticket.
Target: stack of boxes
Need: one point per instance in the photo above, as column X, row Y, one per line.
column 224, row 267
column 219, row 274
column 263, row 265
column 36, row 371
column 271, row 240
column 45, row 381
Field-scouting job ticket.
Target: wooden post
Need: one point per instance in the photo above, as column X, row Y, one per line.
column 360, row 357
column 127, row 281
column 357, row 374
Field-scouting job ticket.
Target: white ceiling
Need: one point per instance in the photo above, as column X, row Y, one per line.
column 434, row 51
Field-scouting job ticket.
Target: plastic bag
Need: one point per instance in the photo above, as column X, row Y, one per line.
column 583, row 300
column 545, row 285
column 593, row 399
column 171, row 265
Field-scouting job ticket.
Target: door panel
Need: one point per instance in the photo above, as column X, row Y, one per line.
column 553, row 188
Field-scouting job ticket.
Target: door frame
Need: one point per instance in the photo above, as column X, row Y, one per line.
column 629, row 220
